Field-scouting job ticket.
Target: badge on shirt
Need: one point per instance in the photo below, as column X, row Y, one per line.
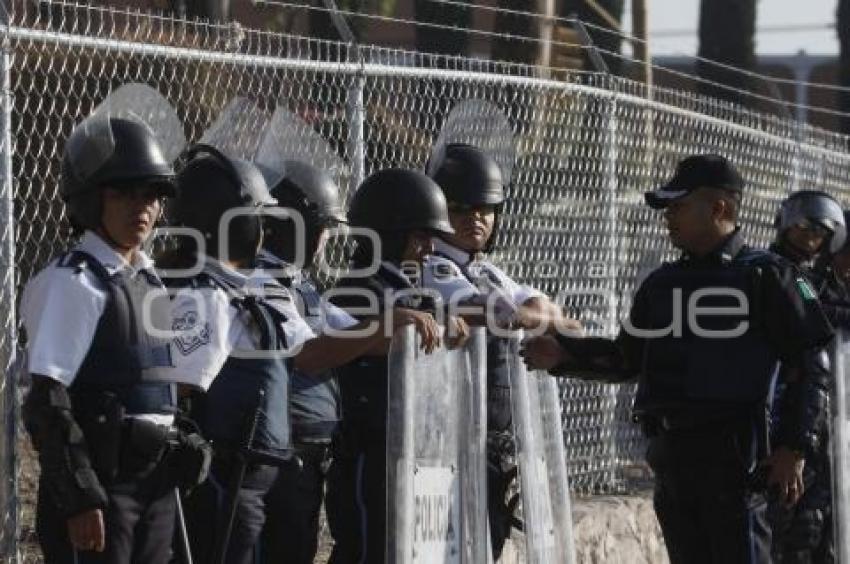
column 191, row 336
column 805, row 289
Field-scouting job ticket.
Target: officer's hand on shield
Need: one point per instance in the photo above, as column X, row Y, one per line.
column 87, row 531
column 424, row 324
column 785, row 473
column 457, row 332
column 543, row 353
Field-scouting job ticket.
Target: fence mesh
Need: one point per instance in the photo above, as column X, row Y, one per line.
column 574, row 226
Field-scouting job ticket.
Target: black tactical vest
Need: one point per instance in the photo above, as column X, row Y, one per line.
column 499, row 414
column 250, row 392
column 124, row 358
column 315, row 398
column 363, row 382
column 682, row 368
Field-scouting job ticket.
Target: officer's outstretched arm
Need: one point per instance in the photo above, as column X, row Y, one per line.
column 589, row 358
column 593, row 358
column 330, row 351
column 542, row 315
column 65, row 465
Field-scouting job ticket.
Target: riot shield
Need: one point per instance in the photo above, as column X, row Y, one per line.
column 436, row 502
column 136, row 102
column 482, row 124
column 289, row 138
column 840, row 429
column 546, row 512
column 238, row 129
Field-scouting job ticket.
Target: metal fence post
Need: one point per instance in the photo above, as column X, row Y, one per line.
column 355, row 115
column 612, row 235
column 8, row 474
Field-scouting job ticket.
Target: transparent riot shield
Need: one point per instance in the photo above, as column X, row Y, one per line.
column 840, row 430
column 289, row 138
column 541, row 460
column 238, row 129
column 482, row 124
column 136, row 102
column 436, row 495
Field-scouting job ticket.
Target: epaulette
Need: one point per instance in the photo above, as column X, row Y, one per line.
column 80, row 261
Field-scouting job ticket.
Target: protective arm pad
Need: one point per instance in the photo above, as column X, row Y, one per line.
column 592, row 358
column 804, row 405
column 65, row 465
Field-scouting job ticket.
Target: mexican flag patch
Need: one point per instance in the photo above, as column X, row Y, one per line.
column 805, row 289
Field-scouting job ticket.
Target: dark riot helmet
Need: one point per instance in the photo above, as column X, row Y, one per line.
column 136, row 158
column 310, row 192
column 470, row 177
column 210, row 184
column 813, row 207
column 399, row 200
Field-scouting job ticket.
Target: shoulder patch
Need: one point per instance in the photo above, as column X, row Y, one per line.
column 192, row 337
column 805, row 289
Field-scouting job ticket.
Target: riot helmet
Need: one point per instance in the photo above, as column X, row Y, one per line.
column 471, row 178
column 395, row 202
column 812, row 209
column 210, row 184
column 134, row 156
column 310, row 192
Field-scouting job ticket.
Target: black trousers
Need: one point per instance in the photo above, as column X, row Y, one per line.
column 356, row 501
column 139, row 524
column 703, row 500
column 293, row 505
column 207, row 511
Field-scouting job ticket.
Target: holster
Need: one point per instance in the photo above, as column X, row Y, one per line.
column 188, row 458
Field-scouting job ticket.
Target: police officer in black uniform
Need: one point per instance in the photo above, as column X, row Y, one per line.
column 294, row 503
column 703, row 339
column 99, row 412
column 236, row 328
column 809, row 225
column 405, row 209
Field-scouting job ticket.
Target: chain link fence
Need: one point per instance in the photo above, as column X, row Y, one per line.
column 575, row 225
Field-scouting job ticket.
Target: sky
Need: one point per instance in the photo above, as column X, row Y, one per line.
column 683, row 15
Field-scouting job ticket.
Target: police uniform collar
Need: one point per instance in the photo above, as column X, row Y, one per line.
column 217, row 269
column 93, row 244
column 391, row 269
column 453, row 253
column 725, row 252
column 268, row 259
column 785, row 252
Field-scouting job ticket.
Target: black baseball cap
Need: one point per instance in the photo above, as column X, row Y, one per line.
column 697, row 171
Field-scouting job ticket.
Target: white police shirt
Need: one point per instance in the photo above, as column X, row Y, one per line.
column 61, row 308
column 209, row 329
column 486, row 275
column 452, row 272
column 331, row 316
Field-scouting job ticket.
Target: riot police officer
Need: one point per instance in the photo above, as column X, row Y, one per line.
column 99, row 413
column 404, row 209
column 236, row 333
column 293, row 504
column 704, row 376
column 475, row 193
column 832, row 275
column 809, row 228
column 808, row 223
